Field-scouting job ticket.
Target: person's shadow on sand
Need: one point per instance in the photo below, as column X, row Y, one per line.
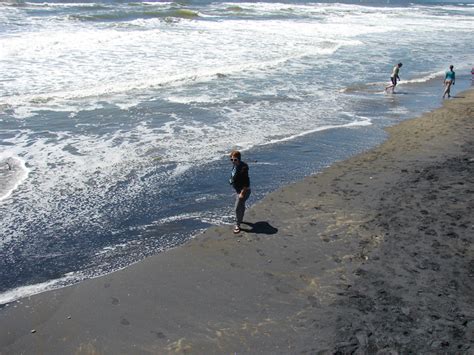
column 259, row 228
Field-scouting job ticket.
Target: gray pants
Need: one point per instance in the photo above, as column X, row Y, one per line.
column 240, row 207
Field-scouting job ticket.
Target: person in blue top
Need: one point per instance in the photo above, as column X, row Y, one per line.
column 449, row 79
column 239, row 179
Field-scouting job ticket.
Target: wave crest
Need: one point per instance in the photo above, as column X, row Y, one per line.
column 137, row 14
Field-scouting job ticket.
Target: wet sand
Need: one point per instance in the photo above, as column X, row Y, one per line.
column 373, row 255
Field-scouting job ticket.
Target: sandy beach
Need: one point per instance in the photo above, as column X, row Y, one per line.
column 373, row 255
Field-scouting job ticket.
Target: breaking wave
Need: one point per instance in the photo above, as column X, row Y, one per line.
column 137, row 14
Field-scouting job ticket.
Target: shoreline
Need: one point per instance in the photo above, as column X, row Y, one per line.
column 310, row 274
column 186, row 211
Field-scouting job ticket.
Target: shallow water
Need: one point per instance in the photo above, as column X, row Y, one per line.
column 117, row 117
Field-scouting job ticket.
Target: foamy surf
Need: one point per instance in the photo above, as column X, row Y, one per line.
column 359, row 123
column 13, row 172
column 59, row 96
column 423, row 78
column 30, row 290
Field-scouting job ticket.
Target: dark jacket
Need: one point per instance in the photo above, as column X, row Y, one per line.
column 240, row 177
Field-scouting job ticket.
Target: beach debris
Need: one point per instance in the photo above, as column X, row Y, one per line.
column 32, row 331
column 68, row 317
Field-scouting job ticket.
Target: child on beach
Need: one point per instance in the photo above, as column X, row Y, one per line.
column 394, row 77
column 240, row 180
column 449, row 80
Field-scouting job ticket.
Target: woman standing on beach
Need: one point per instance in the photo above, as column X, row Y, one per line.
column 449, row 80
column 240, row 180
column 394, row 78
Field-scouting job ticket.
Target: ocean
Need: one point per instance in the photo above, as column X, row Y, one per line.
column 117, row 117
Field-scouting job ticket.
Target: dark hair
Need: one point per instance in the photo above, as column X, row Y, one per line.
column 235, row 154
column 451, row 67
column 400, row 64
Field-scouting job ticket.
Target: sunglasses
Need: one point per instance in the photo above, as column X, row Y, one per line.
column 234, row 159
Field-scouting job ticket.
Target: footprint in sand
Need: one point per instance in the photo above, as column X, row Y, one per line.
column 260, row 252
column 159, row 335
column 115, row 301
column 235, row 265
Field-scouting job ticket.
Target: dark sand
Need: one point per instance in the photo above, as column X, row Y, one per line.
column 373, row 255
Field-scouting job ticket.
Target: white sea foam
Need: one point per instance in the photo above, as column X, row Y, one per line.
column 13, row 172
column 205, row 217
column 97, row 63
column 62, row 4
column 154, row 3
column 423, row 78
column 361, row 123
column 63, row 100
column 110, row 249
column 30, row 290
column 101, row 63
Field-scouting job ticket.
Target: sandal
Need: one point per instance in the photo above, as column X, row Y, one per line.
column 236, row 230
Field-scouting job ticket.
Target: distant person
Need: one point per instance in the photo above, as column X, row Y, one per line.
column 394, row 78
column 240, row 180
column 449, row 79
